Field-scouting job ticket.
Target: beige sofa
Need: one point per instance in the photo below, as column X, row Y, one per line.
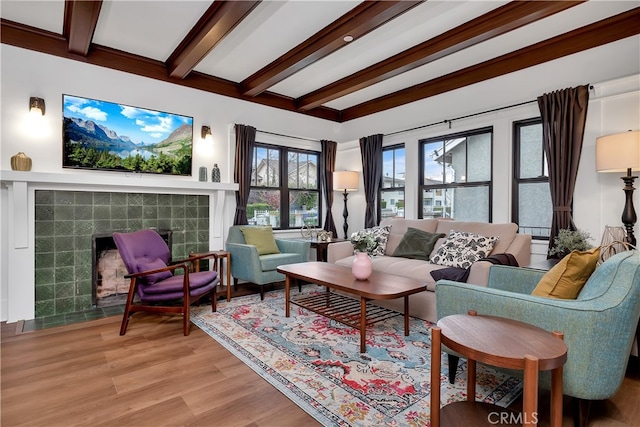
column 423, row 305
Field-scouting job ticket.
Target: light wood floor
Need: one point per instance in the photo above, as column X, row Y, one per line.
column 86, row 374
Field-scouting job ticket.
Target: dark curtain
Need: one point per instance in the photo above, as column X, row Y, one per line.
column 371, row 152
column 564, row 113
column 245, row 140
column 329, row 149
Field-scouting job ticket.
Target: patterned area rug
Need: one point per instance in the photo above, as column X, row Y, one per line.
column 317, row 363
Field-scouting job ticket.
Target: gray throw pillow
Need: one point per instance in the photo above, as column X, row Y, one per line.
column 417, row 244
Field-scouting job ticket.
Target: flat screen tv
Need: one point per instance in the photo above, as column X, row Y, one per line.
column 103, row 135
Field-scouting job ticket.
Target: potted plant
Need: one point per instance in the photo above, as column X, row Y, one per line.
column 569, row 240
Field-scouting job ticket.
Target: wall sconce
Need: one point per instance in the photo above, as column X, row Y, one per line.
column 36, row 105
column 345, row 181
column 621, row 153
column 206, row 132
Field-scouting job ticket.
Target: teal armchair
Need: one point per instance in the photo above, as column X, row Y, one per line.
column 247, row 265
column 599, row 326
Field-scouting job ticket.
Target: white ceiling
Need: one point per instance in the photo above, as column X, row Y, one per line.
column 153, row 29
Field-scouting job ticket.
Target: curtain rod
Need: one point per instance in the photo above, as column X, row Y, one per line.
column 449, row 121
column 288, row 136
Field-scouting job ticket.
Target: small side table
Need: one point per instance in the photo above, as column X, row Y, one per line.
column 218, row 266
column 504, row 343
column 321, row 247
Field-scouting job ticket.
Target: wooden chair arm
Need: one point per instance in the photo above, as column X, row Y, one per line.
column 193, row 259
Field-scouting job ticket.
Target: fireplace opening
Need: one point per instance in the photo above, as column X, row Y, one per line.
column 109, row 287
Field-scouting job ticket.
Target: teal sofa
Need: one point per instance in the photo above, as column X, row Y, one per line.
column 247, row 265
column 599, row 326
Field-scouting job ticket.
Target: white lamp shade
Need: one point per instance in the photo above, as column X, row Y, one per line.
column 618, row 152
column 345, row 181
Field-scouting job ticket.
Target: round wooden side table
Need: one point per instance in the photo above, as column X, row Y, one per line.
column 504, row 343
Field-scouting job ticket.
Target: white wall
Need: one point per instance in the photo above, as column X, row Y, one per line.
column 614, row 107
column 26, row 73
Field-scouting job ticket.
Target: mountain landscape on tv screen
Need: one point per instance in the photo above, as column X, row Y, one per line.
column 95, row 146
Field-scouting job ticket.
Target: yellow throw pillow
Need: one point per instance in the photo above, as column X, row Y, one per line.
column 566, row 279
column 261, row 238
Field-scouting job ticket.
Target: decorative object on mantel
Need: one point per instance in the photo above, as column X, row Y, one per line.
column 215, row 173
column 202, row 174
column 620, row 152
column 20, row 162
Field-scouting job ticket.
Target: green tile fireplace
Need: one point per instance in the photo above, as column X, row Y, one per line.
column 65, row 222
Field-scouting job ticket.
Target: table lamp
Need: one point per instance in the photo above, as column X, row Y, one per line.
column 345, row 181
column 620, row 152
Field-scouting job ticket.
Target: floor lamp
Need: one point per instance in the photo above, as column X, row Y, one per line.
column 345, row 181
column 620, row 152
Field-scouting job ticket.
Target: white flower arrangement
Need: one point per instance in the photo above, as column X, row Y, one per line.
column 363, row 242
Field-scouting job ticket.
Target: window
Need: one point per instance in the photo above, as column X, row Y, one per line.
column 456, row 176
column 284, row 203
column 532, row 207
column 393, row 175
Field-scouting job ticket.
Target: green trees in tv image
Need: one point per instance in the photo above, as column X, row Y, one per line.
column 172, row 157
column 80, row 156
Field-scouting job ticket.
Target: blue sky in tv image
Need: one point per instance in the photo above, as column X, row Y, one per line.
column 140, row 125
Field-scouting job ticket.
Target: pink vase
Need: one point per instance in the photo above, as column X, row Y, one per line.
column 362, row 266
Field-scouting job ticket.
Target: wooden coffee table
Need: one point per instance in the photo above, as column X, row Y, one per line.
column 501, row 342
column 344, row 309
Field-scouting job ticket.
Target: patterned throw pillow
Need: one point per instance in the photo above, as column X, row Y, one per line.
column 461, row 249
column 380, row 235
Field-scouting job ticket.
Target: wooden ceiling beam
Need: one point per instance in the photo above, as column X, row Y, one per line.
column 27, row 37
column 590, row 36
column 494, row 23
column 216, row 23
column 80, row 20
column 362, row 19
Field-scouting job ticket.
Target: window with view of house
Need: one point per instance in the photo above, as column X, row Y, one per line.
column 285, row 191
column 456, row 176
column 532, row 208
column 393, row 177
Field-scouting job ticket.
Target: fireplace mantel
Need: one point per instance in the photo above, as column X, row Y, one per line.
column 131, row 181
column 18, row 228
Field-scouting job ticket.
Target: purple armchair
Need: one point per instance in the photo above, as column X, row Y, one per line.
column 146, row 256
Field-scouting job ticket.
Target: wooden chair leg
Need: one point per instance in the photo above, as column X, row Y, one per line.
column 453, row 367
column 261, row 292
column 125, row 322
column 186, row 315
column 235, row 284
column 581, row 408
column 127, row 308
